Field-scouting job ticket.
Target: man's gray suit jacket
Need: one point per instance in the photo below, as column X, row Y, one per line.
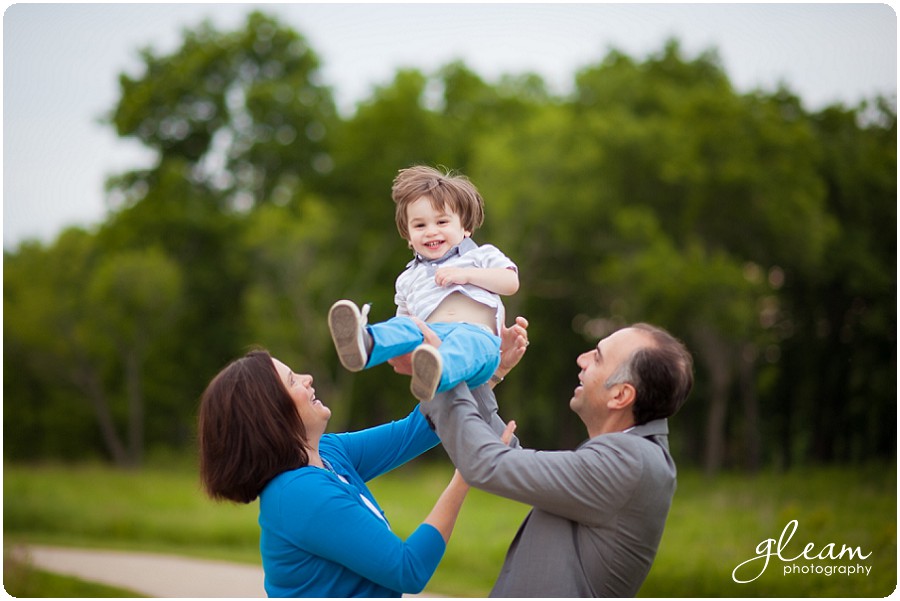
column 598, row 511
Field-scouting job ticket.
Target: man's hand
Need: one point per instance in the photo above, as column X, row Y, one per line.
column 513, row 343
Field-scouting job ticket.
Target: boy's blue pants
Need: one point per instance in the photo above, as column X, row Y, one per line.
column 470, row 353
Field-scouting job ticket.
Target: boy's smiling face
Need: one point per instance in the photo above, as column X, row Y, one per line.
column 433, row 232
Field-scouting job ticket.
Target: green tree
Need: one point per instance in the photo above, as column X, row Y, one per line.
column 237, row 120
column 138, row 295
column 243, row 109
column 90, row 320
column 659, row 194
column 761, row 234
column 182, row 218
column 838, row 387
column 294, row 278
column 56, row 401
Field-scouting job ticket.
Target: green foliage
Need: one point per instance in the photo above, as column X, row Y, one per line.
column 139, row 291
column 760, row 233
column 841, row 321
column 241, row 107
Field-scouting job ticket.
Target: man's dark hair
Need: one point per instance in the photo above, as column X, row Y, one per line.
column 662, row 375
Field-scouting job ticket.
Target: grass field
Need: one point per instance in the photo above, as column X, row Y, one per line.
column 714, row 525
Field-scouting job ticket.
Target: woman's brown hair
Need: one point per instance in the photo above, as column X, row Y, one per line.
column 249, row 430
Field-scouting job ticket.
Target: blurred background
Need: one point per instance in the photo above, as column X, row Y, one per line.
column 728, row 172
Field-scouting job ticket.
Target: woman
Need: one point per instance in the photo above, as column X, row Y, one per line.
column 262, row 434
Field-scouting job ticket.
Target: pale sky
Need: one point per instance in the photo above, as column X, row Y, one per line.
column 61, row 63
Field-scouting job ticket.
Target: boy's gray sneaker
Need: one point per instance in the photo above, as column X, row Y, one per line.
column 348, row 331
column 427, row 367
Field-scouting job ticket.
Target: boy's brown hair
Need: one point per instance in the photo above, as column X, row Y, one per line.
column 449, row 192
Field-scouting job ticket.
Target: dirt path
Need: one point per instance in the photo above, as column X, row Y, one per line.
column 151, row 574
column 154, row 574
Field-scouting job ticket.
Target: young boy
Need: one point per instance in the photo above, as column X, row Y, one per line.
column 451, row 283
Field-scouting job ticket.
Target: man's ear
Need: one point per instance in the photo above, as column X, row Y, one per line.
column 623, row 397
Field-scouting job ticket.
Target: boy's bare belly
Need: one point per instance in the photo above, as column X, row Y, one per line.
column 459, row 307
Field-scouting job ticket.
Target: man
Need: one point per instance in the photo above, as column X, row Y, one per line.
column 598, row 511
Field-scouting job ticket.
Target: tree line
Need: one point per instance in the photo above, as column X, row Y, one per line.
column 761, row 233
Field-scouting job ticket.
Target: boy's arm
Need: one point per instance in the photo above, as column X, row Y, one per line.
column 499, row 280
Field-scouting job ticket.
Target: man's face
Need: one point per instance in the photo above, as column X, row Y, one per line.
column 597, row 365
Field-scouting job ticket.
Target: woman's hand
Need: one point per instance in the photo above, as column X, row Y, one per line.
column 403, row 364
column 508, row 432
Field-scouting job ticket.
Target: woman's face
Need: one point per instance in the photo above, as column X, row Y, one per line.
column 314, row 414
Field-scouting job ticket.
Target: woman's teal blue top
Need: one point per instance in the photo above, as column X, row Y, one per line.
column 323, row 533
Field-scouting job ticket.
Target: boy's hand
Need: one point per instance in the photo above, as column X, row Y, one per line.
column 500, row 280
column 448, row 276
